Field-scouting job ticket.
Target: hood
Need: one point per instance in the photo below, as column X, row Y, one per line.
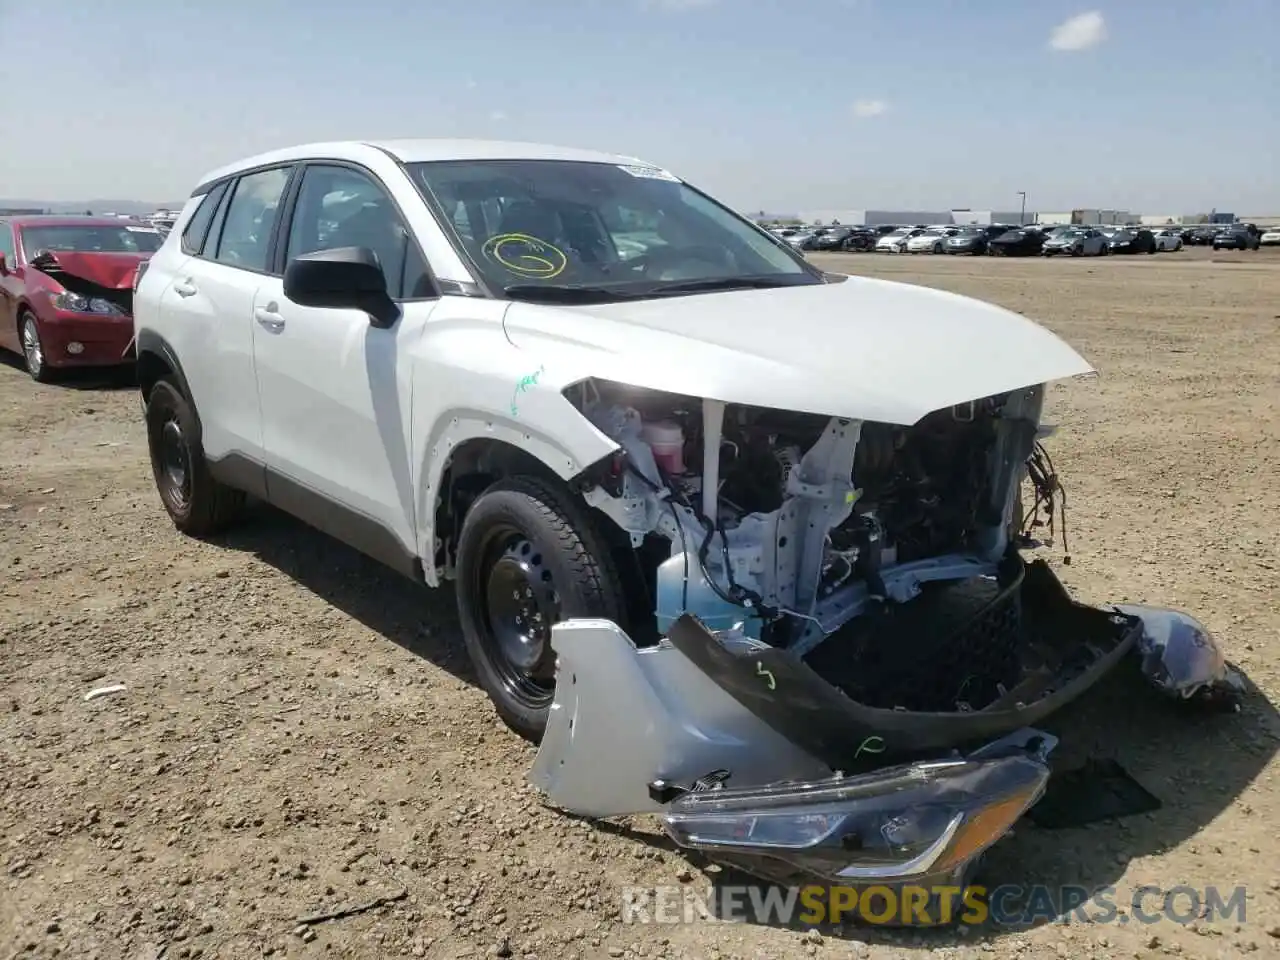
column 114, row 271
column 864, row 349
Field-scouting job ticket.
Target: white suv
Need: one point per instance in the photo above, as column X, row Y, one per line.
column 435, row 351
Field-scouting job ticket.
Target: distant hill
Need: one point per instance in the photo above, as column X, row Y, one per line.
column 131, row 207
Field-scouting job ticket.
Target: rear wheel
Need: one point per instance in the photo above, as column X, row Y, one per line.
column 33, row 349
column 196, row 503
column 528, row 557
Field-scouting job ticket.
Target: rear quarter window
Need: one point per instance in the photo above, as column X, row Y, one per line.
column 197, row 229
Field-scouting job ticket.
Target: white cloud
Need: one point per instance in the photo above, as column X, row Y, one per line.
column 869, row 108
column 1080, row 32
column 497, row 115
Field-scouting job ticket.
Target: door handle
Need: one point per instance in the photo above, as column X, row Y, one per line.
column 185, row 288
column 269, row 318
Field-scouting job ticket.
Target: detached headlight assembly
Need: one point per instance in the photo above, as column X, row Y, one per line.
column 891, row 825
column 79, row 303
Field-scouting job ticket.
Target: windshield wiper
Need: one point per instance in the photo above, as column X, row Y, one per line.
column 559, row 293
column 720, row 283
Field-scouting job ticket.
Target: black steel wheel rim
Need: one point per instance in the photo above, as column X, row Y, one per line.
column 517, row 605
column 175, row 461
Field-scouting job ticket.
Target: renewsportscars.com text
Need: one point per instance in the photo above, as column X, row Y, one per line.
column 1009, row 905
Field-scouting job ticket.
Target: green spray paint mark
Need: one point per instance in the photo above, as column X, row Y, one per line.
column 872, row 744
column 762, row 672
column 523, row 384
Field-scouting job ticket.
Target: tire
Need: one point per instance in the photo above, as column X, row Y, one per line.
column 33, row 349
column 937, row 248
column 524, row 535
column 197, row 504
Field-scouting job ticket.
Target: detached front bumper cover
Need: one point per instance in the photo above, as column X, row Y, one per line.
column 747, row 754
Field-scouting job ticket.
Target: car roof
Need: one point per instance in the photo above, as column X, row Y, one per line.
column 53, row 220
column 420, row 151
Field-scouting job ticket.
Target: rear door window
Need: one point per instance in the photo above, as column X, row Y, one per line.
column 245, row 239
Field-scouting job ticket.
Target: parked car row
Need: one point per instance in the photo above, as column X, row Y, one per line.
column 1025, row 240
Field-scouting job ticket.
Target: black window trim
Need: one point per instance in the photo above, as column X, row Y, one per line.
column 289, row 206
column 196, row 248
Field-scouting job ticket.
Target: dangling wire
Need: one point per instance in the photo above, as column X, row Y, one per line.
column 1050, row 497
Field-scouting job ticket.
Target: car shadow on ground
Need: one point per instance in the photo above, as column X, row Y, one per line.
column 421, row 620
column 1197, row 763
column 81, row 378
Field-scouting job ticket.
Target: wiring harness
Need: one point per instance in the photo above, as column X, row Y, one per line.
column 1049, row 508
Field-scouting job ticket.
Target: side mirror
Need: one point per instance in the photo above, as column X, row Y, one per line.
column 348, row 277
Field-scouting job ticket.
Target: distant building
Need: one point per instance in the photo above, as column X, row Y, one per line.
column 22, row 211
column 985, row 218
column 828, row 218
column 876, row 218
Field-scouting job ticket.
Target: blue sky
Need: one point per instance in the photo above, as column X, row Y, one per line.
column 777, row 104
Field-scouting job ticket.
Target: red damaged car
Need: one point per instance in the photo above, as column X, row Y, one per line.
column 66, row 289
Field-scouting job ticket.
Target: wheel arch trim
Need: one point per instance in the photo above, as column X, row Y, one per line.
column 457, row 427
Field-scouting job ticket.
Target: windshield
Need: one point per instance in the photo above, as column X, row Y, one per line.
column 88, row 238
column 617, row 231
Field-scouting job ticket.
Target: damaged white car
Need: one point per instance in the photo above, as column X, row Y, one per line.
column 736, row 539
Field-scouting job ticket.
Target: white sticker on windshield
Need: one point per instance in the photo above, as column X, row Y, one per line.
column 650, row 173
column 142, row 229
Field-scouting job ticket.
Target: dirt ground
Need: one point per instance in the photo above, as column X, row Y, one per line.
column 299, row 730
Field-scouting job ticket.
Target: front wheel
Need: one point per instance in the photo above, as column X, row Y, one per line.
column 528, row 557
column 197, row 504
column 33, row 349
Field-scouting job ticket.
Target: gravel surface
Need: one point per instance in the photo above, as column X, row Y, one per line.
column 298, row 731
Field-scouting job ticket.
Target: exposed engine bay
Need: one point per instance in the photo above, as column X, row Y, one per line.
column 877, row 552
column 853, row 655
